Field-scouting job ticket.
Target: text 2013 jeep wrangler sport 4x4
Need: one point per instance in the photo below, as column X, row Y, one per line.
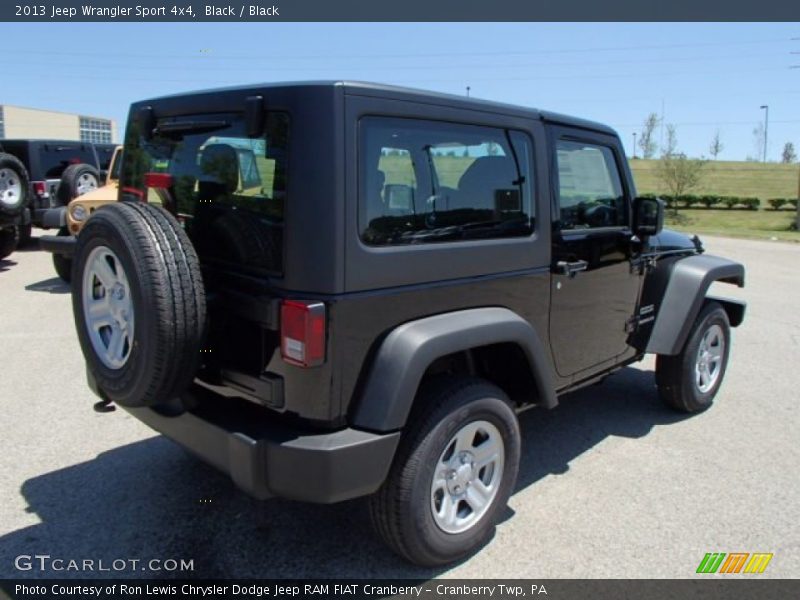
column 351, row 290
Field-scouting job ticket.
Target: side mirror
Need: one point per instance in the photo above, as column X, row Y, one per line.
column 648, row 216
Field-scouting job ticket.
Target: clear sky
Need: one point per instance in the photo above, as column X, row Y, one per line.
column 704, row 76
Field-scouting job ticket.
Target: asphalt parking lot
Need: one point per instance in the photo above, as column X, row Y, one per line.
column 612, row 485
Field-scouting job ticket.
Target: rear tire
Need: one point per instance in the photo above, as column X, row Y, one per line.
column 688, row 382
column 14, row 185
column 139, row 304
column 9, row 238
column 453, row 473
column 76, row 181
column 25, row 234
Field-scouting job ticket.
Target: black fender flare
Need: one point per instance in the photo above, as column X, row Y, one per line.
column 401, row 360
column 684, row 297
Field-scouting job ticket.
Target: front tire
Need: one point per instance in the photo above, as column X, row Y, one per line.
column 453, row 474
column 689, row 381
column 63, row 264
column 25, row 234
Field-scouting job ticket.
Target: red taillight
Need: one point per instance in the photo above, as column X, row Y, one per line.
column 303, row 333
column 158, row 180
column 134, row 191
column 40, row 188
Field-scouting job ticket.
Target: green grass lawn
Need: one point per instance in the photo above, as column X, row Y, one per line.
column 757, row 224
column 723, row 178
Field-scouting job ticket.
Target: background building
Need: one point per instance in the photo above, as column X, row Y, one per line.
column 31, row 123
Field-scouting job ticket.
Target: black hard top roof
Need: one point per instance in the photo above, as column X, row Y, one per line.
column 361, row 88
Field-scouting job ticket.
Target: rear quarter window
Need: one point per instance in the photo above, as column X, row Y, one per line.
column 426, row 181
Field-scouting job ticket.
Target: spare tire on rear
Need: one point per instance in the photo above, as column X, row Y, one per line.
column 14, row 185
column 76, row 181
column 139, row 304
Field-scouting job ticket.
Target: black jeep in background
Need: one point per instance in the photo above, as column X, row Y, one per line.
column 58, row 171
column 351, row 290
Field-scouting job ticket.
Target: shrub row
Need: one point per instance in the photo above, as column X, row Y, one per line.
column 779, row 203
column 709, row 201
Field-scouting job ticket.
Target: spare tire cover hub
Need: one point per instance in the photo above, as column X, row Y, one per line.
column 108, row 307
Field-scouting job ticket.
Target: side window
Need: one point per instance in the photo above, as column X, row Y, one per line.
column 590, row 188
column 427, row 181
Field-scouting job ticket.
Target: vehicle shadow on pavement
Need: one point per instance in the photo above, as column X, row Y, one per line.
column 626, row 404
column 54, row 285
column 151, row 500
column 6, row 264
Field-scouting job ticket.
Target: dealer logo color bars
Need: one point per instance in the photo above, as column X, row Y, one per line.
column 736, row 562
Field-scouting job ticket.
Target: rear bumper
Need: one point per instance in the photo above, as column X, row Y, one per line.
column 267, row 459
column 58, row 244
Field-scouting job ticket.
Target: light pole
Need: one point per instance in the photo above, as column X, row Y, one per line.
column 765, row 107
column 634, row 144
column 467, row 91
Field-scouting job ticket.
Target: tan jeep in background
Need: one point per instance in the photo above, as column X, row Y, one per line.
column 71, row 218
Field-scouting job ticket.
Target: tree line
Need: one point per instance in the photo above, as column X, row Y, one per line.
column 649, row 147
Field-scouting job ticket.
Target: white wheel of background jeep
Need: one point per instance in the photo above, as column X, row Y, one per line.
column 453, row 473
column 14, row 185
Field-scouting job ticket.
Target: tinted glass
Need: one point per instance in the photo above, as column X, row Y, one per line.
column 104, row 154
column 427, row 181
column 227, row 188
column 590, row 188
column 54, row 158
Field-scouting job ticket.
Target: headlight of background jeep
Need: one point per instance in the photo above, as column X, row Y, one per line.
column 79, row 212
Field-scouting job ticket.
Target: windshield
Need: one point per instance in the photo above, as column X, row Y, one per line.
column 228, row 189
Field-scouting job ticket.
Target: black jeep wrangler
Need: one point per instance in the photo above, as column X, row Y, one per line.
column 351, row 290
column 58, row 171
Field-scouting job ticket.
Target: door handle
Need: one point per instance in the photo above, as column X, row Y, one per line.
column 571, row 268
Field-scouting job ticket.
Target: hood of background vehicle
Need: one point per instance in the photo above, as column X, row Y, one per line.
column 107, row 193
